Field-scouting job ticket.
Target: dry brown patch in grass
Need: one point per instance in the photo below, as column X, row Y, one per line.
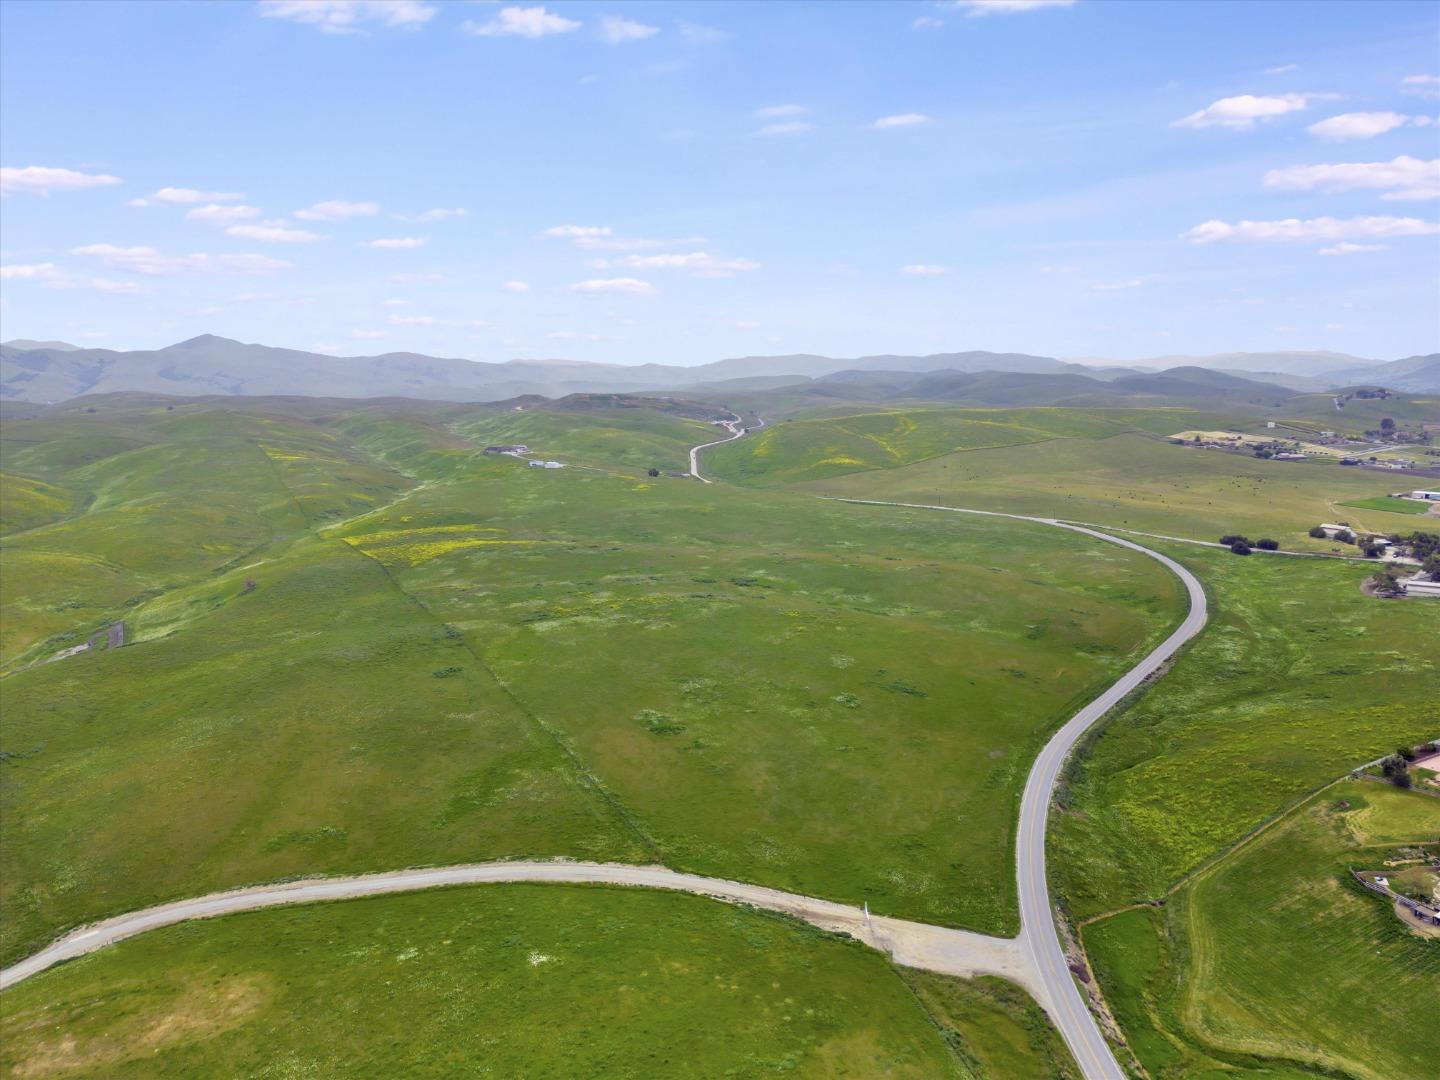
column 44, row 1043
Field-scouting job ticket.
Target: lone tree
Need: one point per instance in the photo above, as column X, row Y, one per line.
column 1387, row 424
column 1266, row 544
column 1240, row 547
column 654, row 472
column 1396, row 770
column 1317, row 532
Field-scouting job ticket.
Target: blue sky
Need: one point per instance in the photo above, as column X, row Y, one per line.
column 679, row 182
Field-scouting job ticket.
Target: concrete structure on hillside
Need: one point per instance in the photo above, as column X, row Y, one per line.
column 1332, row 531
column 1427, row 496
column 1417, row 586
column 547, row 464
column 517, row 448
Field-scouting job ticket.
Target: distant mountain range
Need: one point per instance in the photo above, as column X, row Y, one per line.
column 52, row 371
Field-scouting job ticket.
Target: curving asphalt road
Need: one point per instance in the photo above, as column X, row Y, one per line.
column 1034, row 959
column 732, row 426
column 1039, row 941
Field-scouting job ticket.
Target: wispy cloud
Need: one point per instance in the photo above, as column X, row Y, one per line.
column 147, row 260
column 1401, row 179
column 575, row 232
column 1244, row 111
column 702, row 263
column 29, row 271
column 1345, row 247
column 926, row 22
column 180, row 196
column 615, row 30
column 534, row 22
column 975, row 8
column 1323, row 228
column 1363, row 125
column 43, row 179
column 788, row 127
column 697, row 34
column 515, row 286
column 909, row 119
column 220, row 214
column 624, row 285
column 338, row 210
column 439, row 213
column 1117, row 286
column 775, row 112
column 349, row 16
column 396, row 243
column 273, row 232
column 1423, row 85
column 924, row 269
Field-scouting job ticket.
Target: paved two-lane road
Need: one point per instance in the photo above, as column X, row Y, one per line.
column 736, row 431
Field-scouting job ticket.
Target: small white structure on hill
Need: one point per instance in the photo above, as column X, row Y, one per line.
column 1419, row 587
column 1330, row 531
column 547, row 464
column 1428, row 496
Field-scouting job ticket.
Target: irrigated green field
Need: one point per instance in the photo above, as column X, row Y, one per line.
column 1391, row 505
column 1275, row 955
column 510, row 981
column 502, row 661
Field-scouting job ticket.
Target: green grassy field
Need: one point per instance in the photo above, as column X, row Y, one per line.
column 1275, row 956
column 1391, row 505
column 1135, row 481
column 638, row 438
column 502, row 661
column 513, row 980
column 1298, row 678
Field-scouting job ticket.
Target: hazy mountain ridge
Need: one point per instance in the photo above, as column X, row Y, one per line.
column 208, row 364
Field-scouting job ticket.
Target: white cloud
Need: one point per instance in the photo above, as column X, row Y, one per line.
column 533, row 22
column 273, row 232
column 1324, row 228
column 697, row 34
column 700, row 261
column 439, row 213
column 118, row 288
column 337, row 210
column 396, row 243
column 774, row 112
column 52, row 277
column 181, row 196
column 926, row 22
column 924, row 269
column 412, row 320
column 789, row 127
column 747, row 324
column 1116, row 286
column 1345, row 247
column 219, row 214
column 515, row 286
column 909, row 119
column 1004, row 7
column 576, row 232
column 1424, row 85
column 41, row 180
column 1361, row 125
column 346, row 16
column 416, row 279
column 29, row 271
column 1244, row 111
column 1283, row 69
column 626, row 285
column 146, row 260
column 615, row 30
column 369, row 335
column 1403, row 179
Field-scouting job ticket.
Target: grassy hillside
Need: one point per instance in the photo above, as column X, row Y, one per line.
column 503, row 980
column 360, row 643
column 814, row 448
column 1139, row 482
column 1209, row 983
column 639, row 438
